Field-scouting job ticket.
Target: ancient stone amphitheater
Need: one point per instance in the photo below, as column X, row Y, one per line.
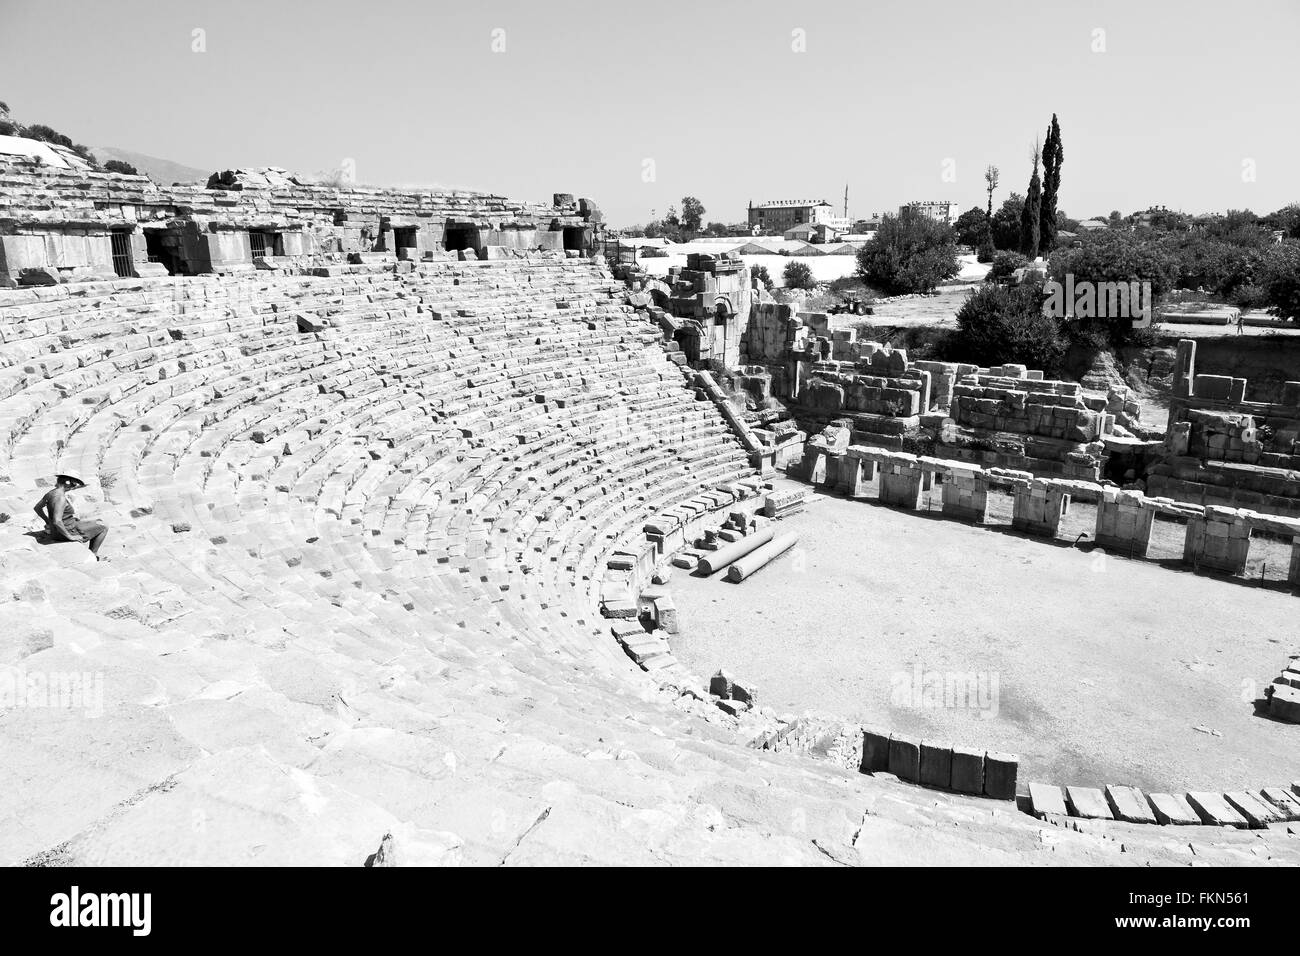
column 363, row 516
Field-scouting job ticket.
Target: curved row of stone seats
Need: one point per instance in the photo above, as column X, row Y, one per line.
column 34, row 192
column 208, row 445
column 285, row 682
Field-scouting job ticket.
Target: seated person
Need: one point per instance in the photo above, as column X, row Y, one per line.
column 61, row 521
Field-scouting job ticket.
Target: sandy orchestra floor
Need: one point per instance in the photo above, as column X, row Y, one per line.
column 1096, row 669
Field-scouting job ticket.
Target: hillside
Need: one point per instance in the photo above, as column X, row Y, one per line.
column 163, row 171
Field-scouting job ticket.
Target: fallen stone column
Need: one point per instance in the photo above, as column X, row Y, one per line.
column 1219, row 540
column 1038, row 507
column 751, row 562
column 717, row 560
column 1124, row 521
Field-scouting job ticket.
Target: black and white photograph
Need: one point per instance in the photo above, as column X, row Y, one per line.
column 550, row 433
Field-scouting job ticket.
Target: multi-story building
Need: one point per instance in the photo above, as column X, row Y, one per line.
column 937, row 209
column 783, row 214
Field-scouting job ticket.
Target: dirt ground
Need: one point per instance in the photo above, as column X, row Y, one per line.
column 1093, row 667
column 938, row 310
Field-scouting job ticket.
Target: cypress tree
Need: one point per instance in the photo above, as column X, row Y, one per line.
column 1053, row 156
column 1029, row 215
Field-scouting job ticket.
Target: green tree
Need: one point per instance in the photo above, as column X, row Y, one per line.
column 1006, row 222
column 999, row 324
column 972, row 227
column 692, row 214
column 1279, row 280
column 909, row 254
column 797, row 275
column 1053, row 156
column 1029, row 215
column 1287, row 219
column 117, row 166
column 761, row 274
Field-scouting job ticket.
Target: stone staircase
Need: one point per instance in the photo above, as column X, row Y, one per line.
column 359, row 527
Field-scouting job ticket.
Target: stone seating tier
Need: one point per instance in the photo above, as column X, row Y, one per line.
column 360, row 527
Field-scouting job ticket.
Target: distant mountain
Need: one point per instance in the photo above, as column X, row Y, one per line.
column 162, row 171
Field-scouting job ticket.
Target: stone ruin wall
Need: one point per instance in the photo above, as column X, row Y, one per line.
column 1221, row 448
column 701, row 307
column 1005, row 416
column 58, row 225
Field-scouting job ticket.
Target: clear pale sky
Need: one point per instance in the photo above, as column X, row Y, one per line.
column 712, row 92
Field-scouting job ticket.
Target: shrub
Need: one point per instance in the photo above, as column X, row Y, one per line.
column 1004, row 264
column 1000, row 324
column 797, row 275
column 117, row 166
column 909, row 254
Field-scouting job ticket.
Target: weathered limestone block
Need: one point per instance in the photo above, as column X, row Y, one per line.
column 1184, row 368
column 1046, row 800
column 1172, row 809
column 1217, row 387
column 815, row 464
column 900, row 480
column 875, row 750
column 905, row 758
column 1285, row 703
column 966, row 493
column 967, row 770
column 841, row 473
column 1088, row 802
column 1123, row 521
column 1038, row 506
column 782, row 504
column 1216, row 811
column 849, row 478
column 1129, row 804
column 666, row 613
column 936, row 765
column 1257, row 811
column 1219, row 540
column 1000, row 775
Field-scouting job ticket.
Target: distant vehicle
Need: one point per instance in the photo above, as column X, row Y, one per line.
column 850, row 303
